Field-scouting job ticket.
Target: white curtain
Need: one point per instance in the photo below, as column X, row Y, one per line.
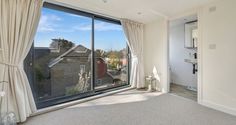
column 134, row 35
column 18, row 23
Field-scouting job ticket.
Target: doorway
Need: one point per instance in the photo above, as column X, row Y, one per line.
column 183, row 60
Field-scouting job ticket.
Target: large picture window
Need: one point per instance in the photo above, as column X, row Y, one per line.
column 74, row 55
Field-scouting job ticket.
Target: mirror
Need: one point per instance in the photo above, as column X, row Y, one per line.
column 191, row 34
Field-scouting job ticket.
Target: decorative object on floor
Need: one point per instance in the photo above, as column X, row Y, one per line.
column 151, row 83
column 134, row 34
column 156, row 75
column 2, row 94
column 6, row 118
column 18, row 24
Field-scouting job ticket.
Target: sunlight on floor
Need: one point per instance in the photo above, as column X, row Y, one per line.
column 120, row 98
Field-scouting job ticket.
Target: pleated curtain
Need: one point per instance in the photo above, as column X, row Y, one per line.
column 18, row 24
column 134, row 34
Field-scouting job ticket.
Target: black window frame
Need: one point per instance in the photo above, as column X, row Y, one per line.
column 65, row 99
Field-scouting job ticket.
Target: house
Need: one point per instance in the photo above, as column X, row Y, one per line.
column 65, row 71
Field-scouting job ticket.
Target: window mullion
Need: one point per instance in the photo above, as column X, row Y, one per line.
column 93, row 57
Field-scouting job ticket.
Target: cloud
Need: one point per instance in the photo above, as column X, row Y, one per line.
column 51, row 23
column 75, row 15
column 80, row 16
column 83, row 27
column 101, row 26
column 47, row 23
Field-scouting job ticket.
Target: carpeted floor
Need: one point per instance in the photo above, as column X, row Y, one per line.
column 135, row 108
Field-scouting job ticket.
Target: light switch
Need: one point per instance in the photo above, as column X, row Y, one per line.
column 212, row 46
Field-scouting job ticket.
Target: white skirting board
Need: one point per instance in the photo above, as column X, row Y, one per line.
column 218, row 107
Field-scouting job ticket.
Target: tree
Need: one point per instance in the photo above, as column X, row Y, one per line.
column 114, row 59
column 101, row 53
column 61, row 44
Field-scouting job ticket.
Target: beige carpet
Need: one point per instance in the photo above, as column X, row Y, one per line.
column 135, row 108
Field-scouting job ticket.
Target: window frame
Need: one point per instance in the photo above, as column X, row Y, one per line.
column 64, row 99
column 82, row 67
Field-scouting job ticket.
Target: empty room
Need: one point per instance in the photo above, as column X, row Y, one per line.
column 117, row 62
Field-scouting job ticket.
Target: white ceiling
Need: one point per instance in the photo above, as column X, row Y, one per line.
column 150, row 9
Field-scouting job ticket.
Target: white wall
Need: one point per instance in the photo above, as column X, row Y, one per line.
column 218, row 29
column 181, row 72
column 155, row 42
column 218, row 70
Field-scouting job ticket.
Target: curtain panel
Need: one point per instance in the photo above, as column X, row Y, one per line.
column 134, row 34
column 18, row 25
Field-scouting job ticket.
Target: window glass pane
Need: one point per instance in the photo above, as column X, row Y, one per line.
column 62, row 55
column 60, row 64
column 111, row 64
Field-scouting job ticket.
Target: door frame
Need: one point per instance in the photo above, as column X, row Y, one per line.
column 199, row 52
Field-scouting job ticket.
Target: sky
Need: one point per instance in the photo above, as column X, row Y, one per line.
column 57, row 24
